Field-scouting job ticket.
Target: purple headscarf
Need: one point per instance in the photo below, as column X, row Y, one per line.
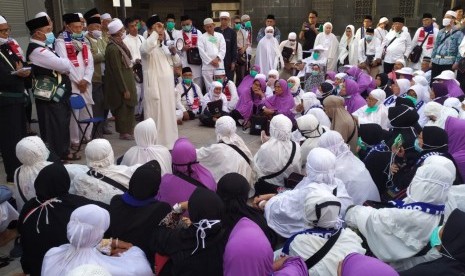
column 248, row 99
column 174, row 189
column 455, row 130
column 356, row 264
column 453, row 88
column 331, row 75
column 246, row 83
column 282, row 103
column 365, row 82
column 440, row 92
column 354, row 101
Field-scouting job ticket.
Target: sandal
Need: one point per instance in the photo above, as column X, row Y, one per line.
column 72, row 157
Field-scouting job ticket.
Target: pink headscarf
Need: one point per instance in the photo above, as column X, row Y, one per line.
column 353, row 100
column 282, row 103
column 360, row 265
column 247, row 100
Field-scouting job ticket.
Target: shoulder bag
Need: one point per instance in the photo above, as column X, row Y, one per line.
column 417, row 50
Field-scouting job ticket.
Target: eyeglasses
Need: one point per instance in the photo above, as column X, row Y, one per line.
column 4, row 31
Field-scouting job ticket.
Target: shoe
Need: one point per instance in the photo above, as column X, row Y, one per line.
column 245, row 127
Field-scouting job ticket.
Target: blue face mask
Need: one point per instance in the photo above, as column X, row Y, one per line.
column 77, row 35
column 187, row 28
column 49, row 38
column 369, row 37
column 434, row 239
column 316, row 55
column 417, row 146
column 315, row 73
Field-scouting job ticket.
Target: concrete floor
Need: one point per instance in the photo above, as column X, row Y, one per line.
column 200, row 136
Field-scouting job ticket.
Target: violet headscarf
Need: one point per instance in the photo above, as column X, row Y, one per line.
column 353, row 100
column 440, row 92
column 331, row 75
column 365, row 82
column 454, row 88
column 282, row 103
column 246, row 83
column 248, row 99
column 356, row 264
column 455, row 130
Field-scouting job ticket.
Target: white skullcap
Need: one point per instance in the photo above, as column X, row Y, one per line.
column 115, row 26
column 292, row 36
column 207, row 21
column 2, row 20
column 40, row 14
column 105, row 16
column 260, row 76
column 220, row 72
column 224, row 14
column 274, row 73
column 245, row 17
column 383, row 20
column 80, row 15
column 88, row 270
column 401, row 60
column 99, row 154
column 452, row 13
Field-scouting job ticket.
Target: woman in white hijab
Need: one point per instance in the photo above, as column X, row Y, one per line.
column 85, row 232
column 297, row 93
column 329, row 41
column 308, row 132
column 101, row 162
column 33, row 154
column 146, row 149
column 208, row 117
column 321, row 215
column 374, row 112
column 267, row 54
column 455, row 104
column 284, row 212
column 229, row 155
column 350, row 169
column 313, row 106
column 398, row 235
column 399, row 88
column 348, row 47
column 421, row 96
column 275, row 154
column 437, row 114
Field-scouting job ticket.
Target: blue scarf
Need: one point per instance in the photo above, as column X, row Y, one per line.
column 318, row 232
column 390, row 100
column 429, row 29
column 420, row 206
column 134, row 202
column 423, row 157
column 296, row 93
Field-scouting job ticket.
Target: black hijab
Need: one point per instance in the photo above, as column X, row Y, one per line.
column 233, row 189
column 452, row 250
column 135, row 215
column 435, row 139
column 372, row 134
column 41, row 231
column 385, row 83
column 404, row 120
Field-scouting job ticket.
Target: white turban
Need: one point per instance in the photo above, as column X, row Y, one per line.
column 321, row 167
column 292, row 35
column 115, row 26
column 280, row 128
column 274, row 73
column 333, row 141
column 328, row 215
column 379, row 95
column 89, row 270
column 31, row 150
column 105, row 16
column 2, row 20
column 99, row 154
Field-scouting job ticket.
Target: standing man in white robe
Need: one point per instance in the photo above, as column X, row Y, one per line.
column 160, row 98
column 190, row 35
column 71, row 44
column 212, row 48
column 396, row 45
column 369, row 53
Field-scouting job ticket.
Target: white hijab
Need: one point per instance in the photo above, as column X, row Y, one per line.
column 313, row 106
column 225, row 129
column 350, row 169
column 380, row 116
column 330, row 43
column 352, row 52
column 85, row 231
column 274, row 154
column 441, row 113
column 146, row 149
column 268, row 55
column 455, row 104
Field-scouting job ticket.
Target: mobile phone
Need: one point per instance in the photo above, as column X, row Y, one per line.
column 399, row 141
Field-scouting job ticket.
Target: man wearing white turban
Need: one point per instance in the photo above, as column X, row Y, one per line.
column 267, row 54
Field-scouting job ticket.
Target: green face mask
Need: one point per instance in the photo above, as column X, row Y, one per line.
column 77, row 35
column 289, row 85
column 187, row 81
column 248, row 24
column 316, row 55
column 412, row 99
column 361, row 144
column 237, row 26
column 219, row 80
column 139, row 25
column 371, row 109
column 170, row 26
column 434, row 239
column 187, row 28
column 253, row 73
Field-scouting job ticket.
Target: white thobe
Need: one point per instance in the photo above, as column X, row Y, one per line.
column 211, row 47
column 380, row 33
column 196, row 69
column 133, row 43
column 372, row 48
column 426, row 52
column 159, row 99
column 399, row 48
column 330, row 43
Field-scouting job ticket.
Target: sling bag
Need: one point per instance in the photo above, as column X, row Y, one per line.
column 108, row 180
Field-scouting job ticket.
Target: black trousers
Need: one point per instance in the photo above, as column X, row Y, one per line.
column 437, row 69
column 98, row 109
column 12, row 129
column 54, row 121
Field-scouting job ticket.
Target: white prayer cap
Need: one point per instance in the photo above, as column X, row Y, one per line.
column 260, row 77
column 452, row 13
column 80, row 15
column 2, row 20
column 88, row 270
column 115, row 26
column 40, row 14
column 220, row 72
column 245, row 17
column 273, row 72
column 324, row 217
column 405, row 71
column 105, row 16
column 383, row 20
column 99, row 154
column 446, row 75
column 207, row 21
column 318, row 48
column 321, row 167
column 280, row 128
column 379, row 95
column 400, row 60
column 31, row 150
column 224, row 14
column 292, row 36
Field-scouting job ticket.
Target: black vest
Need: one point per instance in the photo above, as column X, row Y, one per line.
column 10, row 83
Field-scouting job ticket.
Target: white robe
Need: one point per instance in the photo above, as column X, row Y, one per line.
column 267, row 55
column 196, row 69
column 379, row 117
column 185, row 103
column 211, row 47
column 330, row 43
column 425, row 52
column 352, row 52
column 159, row 98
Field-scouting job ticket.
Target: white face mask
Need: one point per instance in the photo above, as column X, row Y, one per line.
column 446, row 22
column 97, row 34
column 269, row 35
